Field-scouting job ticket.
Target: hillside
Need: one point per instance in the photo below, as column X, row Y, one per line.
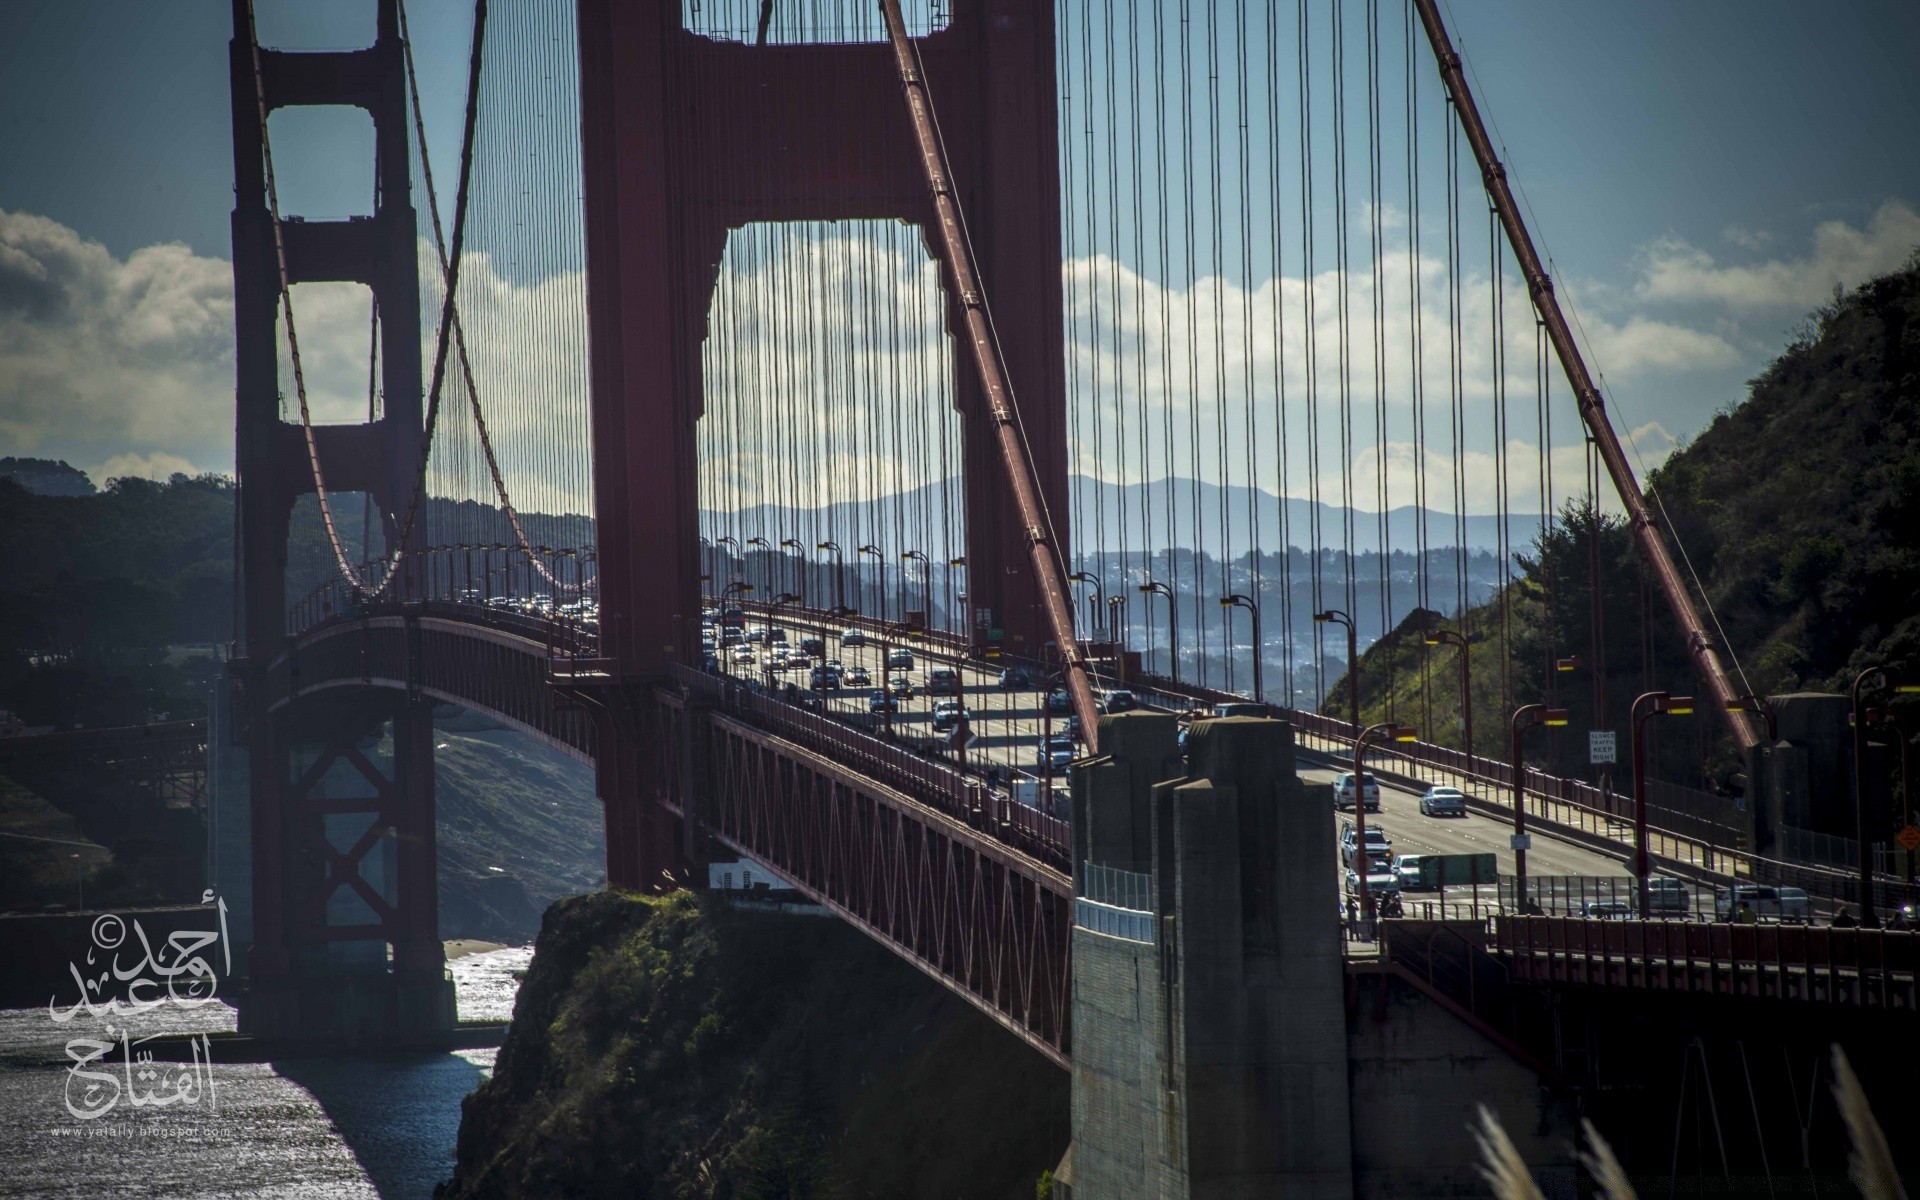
column 677, row 1047
column 1800, row 511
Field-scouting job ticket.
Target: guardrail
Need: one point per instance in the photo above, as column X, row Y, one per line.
column 930, row 781
column 1865, row 967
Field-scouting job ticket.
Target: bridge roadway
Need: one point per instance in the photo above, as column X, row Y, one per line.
column 1008, row 727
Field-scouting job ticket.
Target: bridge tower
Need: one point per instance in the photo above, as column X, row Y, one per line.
column 687, row 137
column 341, row 787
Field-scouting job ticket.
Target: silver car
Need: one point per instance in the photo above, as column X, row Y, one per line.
column 1443, row 802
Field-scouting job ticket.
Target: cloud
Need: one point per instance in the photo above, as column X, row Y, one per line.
column 102, row 357
column 1674, row 271
column 146, row 466
column 1747, row 239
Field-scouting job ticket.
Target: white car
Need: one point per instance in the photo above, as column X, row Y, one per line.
column 1765, row 901
column 1443, row 802
column 743, row 655
column 1343, row 792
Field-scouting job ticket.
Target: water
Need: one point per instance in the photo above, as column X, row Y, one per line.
column 348, row 1126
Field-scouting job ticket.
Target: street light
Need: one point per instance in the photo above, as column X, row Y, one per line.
column 1334, row 616
column 1099, row 593
column 1879, row 677
column 1662, row 705
column 926, row 567
column 1398, row 733
column 839, row 573
column 764, row 544
column 1758, row 704
column 1448, row 637
column 1116, row 618
column 794, row 545
column 1526, row 717
column 1238, row 601
column 1884, row 716
column 1155, row 588
column 881, row 557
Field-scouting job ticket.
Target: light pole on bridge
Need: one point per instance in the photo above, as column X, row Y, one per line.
column 1662, row 704
column 799, row 553
column 1448, row 637
column 1526, row 717
column 766, row 546
column 1876, row 677
column 1334, row 616
column 1153, row 587
column 839, row 573
column 1238, row 601
column 1099, row 593
column 926, row 566
column 1361, row 861
column 880, row 589
column 1116, row 619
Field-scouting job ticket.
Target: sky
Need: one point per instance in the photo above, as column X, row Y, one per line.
column 1701, row 174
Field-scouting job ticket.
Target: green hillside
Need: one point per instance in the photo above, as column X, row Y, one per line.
column 1799, row 510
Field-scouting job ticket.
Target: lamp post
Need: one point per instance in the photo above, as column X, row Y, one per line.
column 1449, row 637
column 799, row 551
column 1661, row 705
column 1758, row 704
column 858, row 594
column 1526, row 717
column 1155, row 588
column 1398, row 733
column 1238, row 601
column 839, row 573
column 926, row 568
column 767, row 546
column 1860, row 681
column 1099, row 593
column 1334, row 616
column 966, row 619
column 1116, row 619
column 706, row 575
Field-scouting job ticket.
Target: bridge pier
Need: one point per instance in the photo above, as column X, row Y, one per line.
column 1209, row 1013
column 345, row 880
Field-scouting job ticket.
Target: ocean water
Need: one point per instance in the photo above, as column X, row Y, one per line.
column 347, row 1126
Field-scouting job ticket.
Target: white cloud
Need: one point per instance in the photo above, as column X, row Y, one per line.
column 102, row 357
column 1675, row 271
column 145, row 466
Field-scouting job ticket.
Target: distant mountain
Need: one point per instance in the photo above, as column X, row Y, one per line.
column 47, row 477
column 1112, row 517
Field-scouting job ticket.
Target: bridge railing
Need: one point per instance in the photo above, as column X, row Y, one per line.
column 1859, row 966
column 931, row 781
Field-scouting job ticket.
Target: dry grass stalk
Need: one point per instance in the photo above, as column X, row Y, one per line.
column 1501, row 1164
column 1598, row 1159
column 1871, row 1164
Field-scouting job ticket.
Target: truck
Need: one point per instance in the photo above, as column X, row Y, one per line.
column 1431, row 872
column 1031, row 792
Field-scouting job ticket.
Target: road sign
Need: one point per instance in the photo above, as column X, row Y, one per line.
column 1908, row 837
column 1521, row 841
column 1601, row 746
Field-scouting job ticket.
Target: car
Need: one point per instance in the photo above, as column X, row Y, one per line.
column 777, row 636
column 1765, row 901
column 756, row 633
column 824, row 679
column 1055, row 753
column 1058, row 701
column 1666, row 894
column 878, row 701
column 1443, row 802
column 943, row 681
column 1119, row 700
column 1377, row 841
column 799, row 662
column 946, row 715
column 852, row 637
column 1240, row 708
column 1015, row 679
column 1607, row 910
column 902, row 659
column 817, row 647
column 732, row 637
column 743, row 655
column 1381, row 880
column 1343, row 792
column 857, row 677
column 901, row 687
